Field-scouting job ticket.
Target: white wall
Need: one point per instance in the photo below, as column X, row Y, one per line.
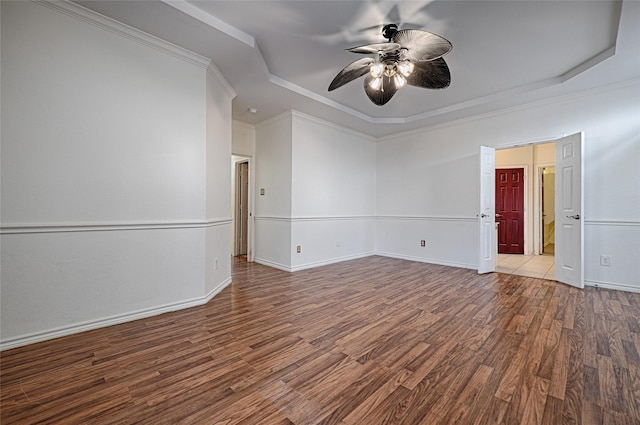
column 273, row 209
column 319, row 182
column 333, row 193
column 110, row 190
column 243, row 139
column 427, row 181
column 218, row 176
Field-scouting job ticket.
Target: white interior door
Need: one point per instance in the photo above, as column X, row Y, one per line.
column 486, row 217
column 569, row 250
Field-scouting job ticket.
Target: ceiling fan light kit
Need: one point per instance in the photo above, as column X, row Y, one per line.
column 410, row 56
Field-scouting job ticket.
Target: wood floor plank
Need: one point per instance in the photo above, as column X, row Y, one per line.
column 370, row 341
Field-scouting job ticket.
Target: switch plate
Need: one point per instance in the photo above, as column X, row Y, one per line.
column 423, row 243
column 262, row 192
column 298, row 249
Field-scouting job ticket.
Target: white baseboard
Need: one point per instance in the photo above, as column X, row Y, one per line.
column 109, row 321
column 429, row 260
column 272, row 264
column 305, row 266
column 331, row 261
column 614, row 286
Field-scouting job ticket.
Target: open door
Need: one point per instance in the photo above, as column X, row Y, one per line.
column 486, row 218
column 242, row 208
column 569, row 250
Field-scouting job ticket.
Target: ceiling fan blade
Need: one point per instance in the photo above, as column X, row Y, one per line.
column 351, row 72
column 430, row 75
column 384, row 93
column 375, row 48
column 422, row 45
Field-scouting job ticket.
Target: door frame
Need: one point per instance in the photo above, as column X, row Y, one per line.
column 250, row 195
column 537, row 208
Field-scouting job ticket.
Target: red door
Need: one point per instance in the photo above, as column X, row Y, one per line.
column 510, row 210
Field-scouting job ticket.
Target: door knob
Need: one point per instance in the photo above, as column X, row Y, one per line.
column 575, row 217
column 498, row 215
column 483, row 215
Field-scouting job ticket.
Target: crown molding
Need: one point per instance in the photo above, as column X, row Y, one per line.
column 100, row 21
column 546, row 101
column 213, row 70
column 202, row 16
column 332, row 125
column 243, row 124
column 249, row 40
column 275, row 118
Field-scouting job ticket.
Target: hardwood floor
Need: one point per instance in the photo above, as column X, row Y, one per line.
column 369, row 341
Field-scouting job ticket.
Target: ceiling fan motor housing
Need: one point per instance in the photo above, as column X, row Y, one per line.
column 389, row 30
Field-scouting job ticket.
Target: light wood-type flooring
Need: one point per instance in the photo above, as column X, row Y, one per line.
column 364, row 342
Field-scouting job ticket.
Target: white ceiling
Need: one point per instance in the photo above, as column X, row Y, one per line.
column 281, row 55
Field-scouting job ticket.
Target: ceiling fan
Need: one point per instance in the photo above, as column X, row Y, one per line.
column 410, row 56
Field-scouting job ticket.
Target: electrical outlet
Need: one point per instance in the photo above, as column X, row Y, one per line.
column 338, row 244
column 423, row 243
column 605, row 260
column 298, row 249
column 262, row 192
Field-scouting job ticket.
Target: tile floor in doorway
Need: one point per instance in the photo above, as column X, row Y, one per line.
column 540, row 266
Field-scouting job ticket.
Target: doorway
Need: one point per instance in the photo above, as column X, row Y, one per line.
column 547, row 182
column 241, row 188
column 568, row 201
column 242, row 207
column 519, row 184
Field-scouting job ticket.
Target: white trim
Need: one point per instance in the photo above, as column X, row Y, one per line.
column 611, row 223
column 269, row 263
column 100, row 21
column 428, row 260
column 213, row 70
column 332, row 125
column 293, row 269
column 110, row 321
column 426, row 218
column 315, row 218
column 292, row 112
column 243, row 124
column 504, row 111
column 332, row 218
column 204, row 17
column 271, row 218
column 593, row 61
column 614, row 286
column 275, row 118
column 537, row 207
column 326, row 101
column 331, row 261
column 23, row 228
